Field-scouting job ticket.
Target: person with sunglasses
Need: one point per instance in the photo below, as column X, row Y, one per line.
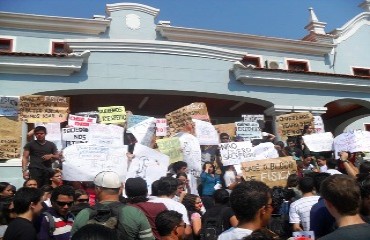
column 81, row 199
column 57, row 221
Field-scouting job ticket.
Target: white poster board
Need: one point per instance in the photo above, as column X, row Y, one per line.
column 352, row 141
column 101, row 134
column 318, row 124
column 192, row 153
column 9, row 106
column 265, row 150
column 144, row 131
column 132, row 120
column 233, row 153
column 75, row 135
column 253, row 118
column 248, row 130
column 206, row 133
column 161, row 127
column 319, row 142
column 84, row 161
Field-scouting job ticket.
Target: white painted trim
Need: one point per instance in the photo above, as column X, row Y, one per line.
column 131, row 6
column 243, row 40
column 53, row 24
column 351, row 27
column 11, row 38
column 15, row 162
column 297, row 60
column 155, row 47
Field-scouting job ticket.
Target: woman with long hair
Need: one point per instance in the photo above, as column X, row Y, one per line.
column 209, row 180
column 193, row 205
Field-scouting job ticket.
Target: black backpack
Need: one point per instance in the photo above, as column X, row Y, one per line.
column 212, row 226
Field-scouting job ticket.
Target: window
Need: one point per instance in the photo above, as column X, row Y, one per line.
column 251, row 60
column 6, row 45
column 57, row 47
column 297, row 65
column 367, row 126
column 361, row 72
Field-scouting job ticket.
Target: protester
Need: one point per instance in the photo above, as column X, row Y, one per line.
column 308, row 167
column 27, row 205
column 182, row 167
column 47, row 190
column 279, row 146
column 342, row 198
column 348, row 166
column 209, row 180
column 6, row 198
column 364, row 182
column 38, row 156
column 252, row 204
column 321, row 162
column 364, row 167
column 332, row 165
column 293, row 151
column 95, row 232
column 229, row 178
column 5, row 190
column 81, row 201
column 170, row 225
column 131, row 223
column 183, row 177
column 55, row 178
column 193, row 205
column 292, row 183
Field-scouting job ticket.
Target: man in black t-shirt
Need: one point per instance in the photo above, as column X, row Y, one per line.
column 40, row 154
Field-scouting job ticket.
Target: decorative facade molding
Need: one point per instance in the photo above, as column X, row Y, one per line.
column 287, row 79
column 243, row 40
column 155, row 47
column 131, row 6
column 53, row 24
column 43, row 65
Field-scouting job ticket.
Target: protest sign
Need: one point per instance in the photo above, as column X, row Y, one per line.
column 248, row 130
column 132, row 120
column 80, row 121
column 192, row 153
column 90, row 114
column 206, row 133
column 9, row 106
column 273, row 172
column 82, row 162
column 265, row 150
column 233, row 153
column 352, row 141
column 148, row 164
column 319, row 142
column 46, row 109
column 10, row 137
column 228, row 128
column 253, row 118
column 161, row 127
column 144, row 131
column 75, row 135
column 292, row 124
column 198, row 110
column 318, row 124
column 179, row 121
column 112, row 114
column 171, row 147
column 101, row 134
column 53, row 133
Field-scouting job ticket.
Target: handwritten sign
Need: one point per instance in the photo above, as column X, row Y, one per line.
column 206, row 133
column 319, row 142
column 101, row 134
column 161, row 127
column 318, row 124
column 80, row 121
column 144, row 131
column 192, row 153
column 10, row 137
column 132, row 120
column 84, row 161
column 352, row 141
column 253, row 118
column 265, row 150
column 112, row 114
column 46, row 109
column 273, row 172
column 179, row 121
column 248, row 130
column 292, row 124
column 233, row 153
column 75, row 135
column 9, row 106
column 228, row 128
column 198, row 110
column 171, row 147
column 91, row 114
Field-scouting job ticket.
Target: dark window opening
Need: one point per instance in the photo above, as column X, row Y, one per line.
column 297, row 66
column 6, row 45
column 361, row 72
column 58, row 47
column 251, row 60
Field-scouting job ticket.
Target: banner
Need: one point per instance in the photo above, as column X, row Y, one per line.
column 80, row 121
column 148, row 164
column 82, row 162
column 248, row 130
column 233, row 153
column 352, row 141
column 292, row 124
column 46, row 109
column 171, row 147
column 161, row 127
column 228, row 128
column 112, row 114
column 273, row 172
column 53, row 133
column 253, row 118
column 75, row 135
column 318, row 124
column 9, row 106
column 206, row 133
column 192, row 153
column 101, row 134
column 319, row 142
column 132, row 120
column 144, row 131
column 10, row 137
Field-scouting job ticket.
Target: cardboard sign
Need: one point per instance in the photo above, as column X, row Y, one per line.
column 318, row 124
column 273, row 172
column 253, row 118
column 192, row 153
column 206, row 133
column 10, row 137
column 161, row 127
column 132, row 120
column 101, row 134
column 228, row 128
column 144, row 131
column 248, row 130
column 75, row 135
column 9, row 106
column 292, row 124
column 46, row 109
column 179, row 121
column 319, row 142
column 233, row 153
column 171, row 147
column 84, row 161
column 80, row 121
column 198, row 110
column 112, row 114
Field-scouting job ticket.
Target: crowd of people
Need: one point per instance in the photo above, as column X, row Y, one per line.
column 326, row 197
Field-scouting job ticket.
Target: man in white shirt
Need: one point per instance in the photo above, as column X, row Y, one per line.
column 252, row 205
column 332, row 164
column 321, row 162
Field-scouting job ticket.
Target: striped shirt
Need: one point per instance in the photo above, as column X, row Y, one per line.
column 299, row 211
column 63, row 226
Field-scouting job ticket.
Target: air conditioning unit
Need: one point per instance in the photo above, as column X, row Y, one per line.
column 273, row 64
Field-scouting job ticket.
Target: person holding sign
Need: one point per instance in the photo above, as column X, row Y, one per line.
column 38, row 156
column 210, row 181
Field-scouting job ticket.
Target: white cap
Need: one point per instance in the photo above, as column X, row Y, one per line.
column 107, row 179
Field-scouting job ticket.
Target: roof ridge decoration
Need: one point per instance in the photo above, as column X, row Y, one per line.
column 315, row 25
column 365, row 5
column 131, row 6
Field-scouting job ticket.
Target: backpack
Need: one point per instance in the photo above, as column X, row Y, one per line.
column 107, row 215
column 212, row 226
